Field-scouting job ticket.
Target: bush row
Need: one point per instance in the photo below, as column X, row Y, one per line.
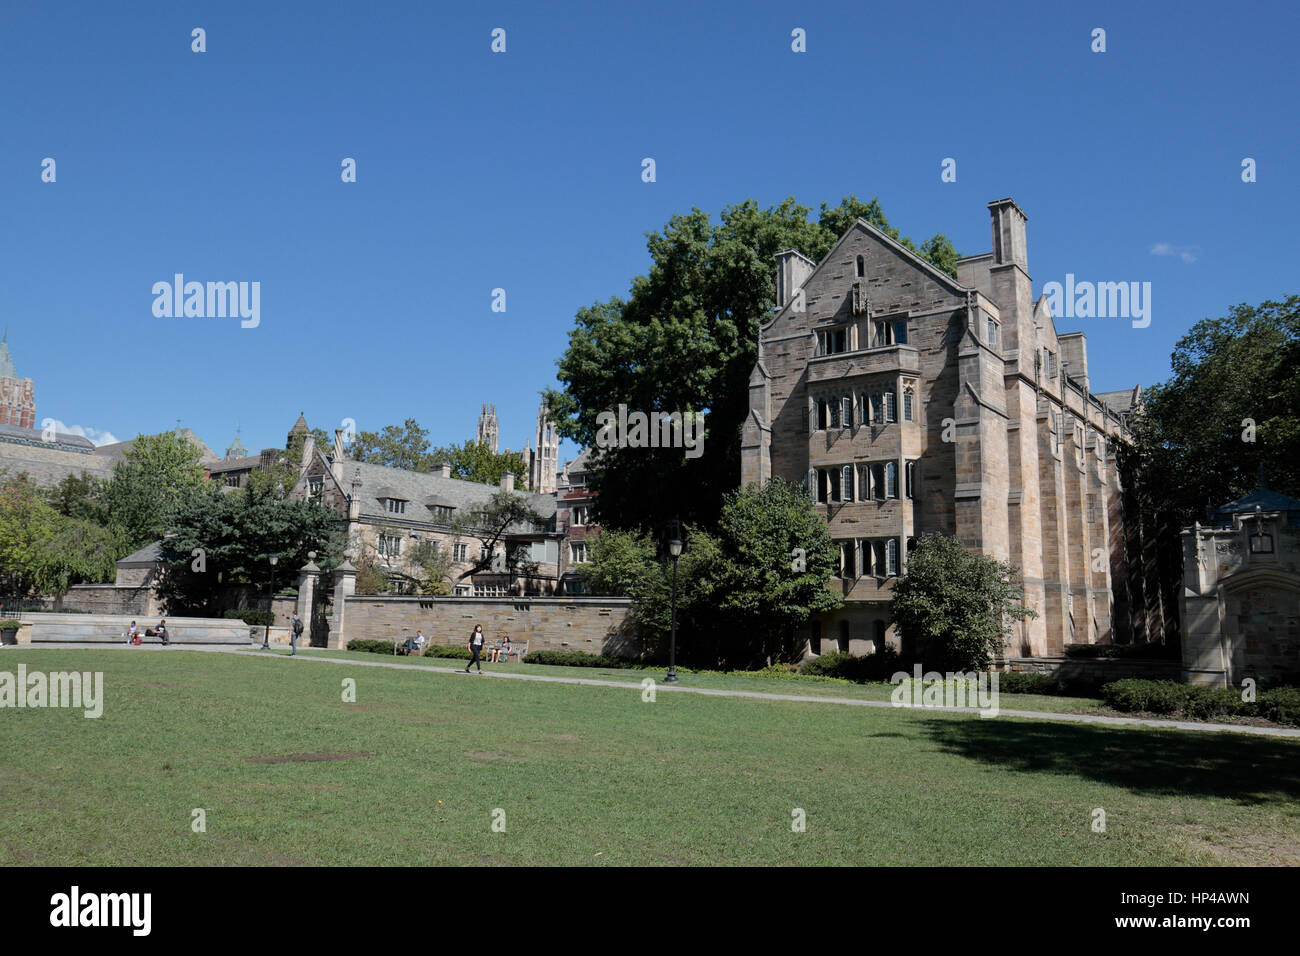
column 873, row 667
column 577, row 659
column 1191, row 702
column 1143, row 651
column 249, row 616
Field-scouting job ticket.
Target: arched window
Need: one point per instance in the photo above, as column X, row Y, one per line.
column 844, row 636
column 891, row 479
column 909, row 397
column 911, row 479
column 891, row 406
column 891, row 557
column 862, row 267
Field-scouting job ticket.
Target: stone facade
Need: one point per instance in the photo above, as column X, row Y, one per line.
column 1241, row 593
column 594, row 625
column 908, row 402
column 17, row 395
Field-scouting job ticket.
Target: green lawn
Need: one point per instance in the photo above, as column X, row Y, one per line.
column 411, row 774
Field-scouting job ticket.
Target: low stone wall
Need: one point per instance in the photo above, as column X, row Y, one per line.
column 112, row 599
column 594, row 625
column 1097, row 670
column 111, row 629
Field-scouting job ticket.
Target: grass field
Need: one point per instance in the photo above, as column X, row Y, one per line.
column 412, row 771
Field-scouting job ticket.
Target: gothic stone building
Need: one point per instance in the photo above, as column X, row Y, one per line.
column 909, row 402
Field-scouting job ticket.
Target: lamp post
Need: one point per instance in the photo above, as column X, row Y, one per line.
column 674, row 549
column 266, row 636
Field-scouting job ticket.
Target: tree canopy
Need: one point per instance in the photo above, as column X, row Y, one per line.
column 407, row 446
column 154, row 479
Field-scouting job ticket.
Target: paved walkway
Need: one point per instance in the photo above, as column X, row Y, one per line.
column 281, row 652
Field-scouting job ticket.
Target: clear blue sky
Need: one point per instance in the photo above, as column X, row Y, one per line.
column 479, row 170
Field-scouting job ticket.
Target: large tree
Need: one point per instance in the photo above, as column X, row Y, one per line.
column 218, row 539
column 686, row 340
column 473, row 461
column 954, row 607
column 151, row 483
column 48, row 552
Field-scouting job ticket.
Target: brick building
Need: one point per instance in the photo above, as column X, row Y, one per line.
column 909, row 402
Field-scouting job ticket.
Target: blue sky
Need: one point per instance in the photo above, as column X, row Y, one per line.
column 522, row 171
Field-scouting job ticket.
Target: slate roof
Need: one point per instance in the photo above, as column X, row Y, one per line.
column 1262, row 497
column 116, row 451
column 28, row 436
column 146, row 557
column 234, row 464
column 1119, row 402
column 417, row 487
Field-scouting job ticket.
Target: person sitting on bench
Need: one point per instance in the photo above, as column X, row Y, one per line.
column 501, row 654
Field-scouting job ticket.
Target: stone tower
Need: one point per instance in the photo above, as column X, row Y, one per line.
column 487, row 427
column 543, row 460
column 17, row 395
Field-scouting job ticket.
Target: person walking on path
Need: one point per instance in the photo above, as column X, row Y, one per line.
column 475, row 649
column 295, row 632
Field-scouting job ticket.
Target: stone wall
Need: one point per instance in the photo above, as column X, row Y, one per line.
column 1097, row 670
column 112, row 599
column 594, row 625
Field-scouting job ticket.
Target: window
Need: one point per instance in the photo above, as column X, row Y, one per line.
column 577, row 552
column 900, row 332
column 910, row 478
column 847, row 564
column 891, row 479
column 891, row 410
column 878, row 482
column 576, row 586
column 909, row 401
column 395, row 506
column 803, row 419
column 877, row 408
column 862, row 267
column 441, row 512
column 834, row 408
column 390, row 546
column 460, row 552
column 315, row 486
column 828, row 484
column 1261, row 543
column 489, row 590
column 884, row 332
column 462, row 590
column 579, row 515
column 577, row 479
column 833, row 341
column 846, row 411
column 1092, row 509
column 846, row 482
column 992, row 332
column 232, row 479
column 891, row 557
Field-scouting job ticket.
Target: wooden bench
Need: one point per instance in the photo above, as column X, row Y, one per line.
column 517, row 648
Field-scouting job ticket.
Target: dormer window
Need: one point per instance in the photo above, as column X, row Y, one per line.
column 395, row 506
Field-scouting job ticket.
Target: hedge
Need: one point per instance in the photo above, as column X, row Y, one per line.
column 1193, row 702
column 253, row 616
column 1021, row 682
column 1144, row 651
column 873, row 667
column 577, row 659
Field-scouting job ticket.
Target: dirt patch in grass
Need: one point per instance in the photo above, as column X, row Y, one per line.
column 307, row 758
column 484, row 755
column 169, row 686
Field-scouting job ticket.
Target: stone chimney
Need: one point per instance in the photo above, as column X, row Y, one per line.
column 354, row 499
column 792, row 271
column 441, row 469
column 508, row 481
column 336, row 465
column 308, row 450
column 1074, row 353
column 1009, row 244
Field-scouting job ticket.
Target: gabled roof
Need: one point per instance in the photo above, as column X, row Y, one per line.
column 1121, row 402
column 379, row 481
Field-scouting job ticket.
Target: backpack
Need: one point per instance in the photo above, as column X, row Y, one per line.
column 297, row 625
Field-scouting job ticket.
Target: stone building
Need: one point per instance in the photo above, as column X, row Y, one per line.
column 17, row 395
column 908, row 402
column 388, row 512
column 1241, row 592
column 487, row 427
column 574, row 507
column 543, row 460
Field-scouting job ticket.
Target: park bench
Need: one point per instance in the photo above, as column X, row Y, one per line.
column 518, row 649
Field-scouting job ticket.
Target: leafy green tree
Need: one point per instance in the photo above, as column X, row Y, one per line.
column 686, row 340
column 45, row 551
column 156, row 477
column 218, row 539
column 425, row 569
column 743, row 593
column 491, row 525
column 80, row 496
column 955, row 608
column 396, row 446
column 473, row 461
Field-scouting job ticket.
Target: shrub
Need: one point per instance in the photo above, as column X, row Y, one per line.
column 1144, row 651
column 371, row 646
column 1020, row 682
column 1209, row 703
column 873, row 667
column 455, row 652
column 576, row 659
column 1280, row 705
column 10, row 625
column 251, row 616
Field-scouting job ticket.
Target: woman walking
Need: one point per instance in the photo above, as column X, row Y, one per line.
column 475, row 649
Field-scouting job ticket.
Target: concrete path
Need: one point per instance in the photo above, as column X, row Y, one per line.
column 280, row 652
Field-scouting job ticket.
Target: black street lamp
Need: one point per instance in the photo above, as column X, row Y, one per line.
column 266, row 636
column 674, row 549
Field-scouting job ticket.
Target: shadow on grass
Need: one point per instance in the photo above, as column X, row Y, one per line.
column 1249, row 770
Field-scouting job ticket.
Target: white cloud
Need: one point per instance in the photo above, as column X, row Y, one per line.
column 96, row 436
column 1186, row 253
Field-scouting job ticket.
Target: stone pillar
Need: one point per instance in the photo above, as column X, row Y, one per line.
column 307, row 579
column 345, row 585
